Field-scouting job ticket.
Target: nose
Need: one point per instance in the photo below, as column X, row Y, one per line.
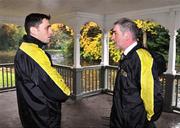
column 112, row 37
column 50, row 31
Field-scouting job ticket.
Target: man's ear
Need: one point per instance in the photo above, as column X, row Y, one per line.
column 127, row 34
column 33, row 30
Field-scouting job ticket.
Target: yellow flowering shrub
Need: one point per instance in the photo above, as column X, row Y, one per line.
column 146, row 26
column 90, row 41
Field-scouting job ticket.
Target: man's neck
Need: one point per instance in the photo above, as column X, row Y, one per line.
column 129, row 48
column 31, row 39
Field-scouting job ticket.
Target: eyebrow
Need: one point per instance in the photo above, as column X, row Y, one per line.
column 113, row 31
column 47, row 27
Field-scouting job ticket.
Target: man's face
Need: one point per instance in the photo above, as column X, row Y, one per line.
column 118, row 37
column 43, row 31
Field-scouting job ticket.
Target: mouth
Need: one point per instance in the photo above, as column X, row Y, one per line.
column 50, row 39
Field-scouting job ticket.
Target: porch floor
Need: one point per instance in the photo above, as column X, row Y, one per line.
column 91, row 112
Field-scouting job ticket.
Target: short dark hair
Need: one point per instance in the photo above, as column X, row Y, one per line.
column 127, row 24
column 33, row 20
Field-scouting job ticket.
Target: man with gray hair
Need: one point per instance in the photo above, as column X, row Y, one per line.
column 137, row 96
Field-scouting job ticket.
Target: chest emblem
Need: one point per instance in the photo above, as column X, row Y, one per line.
column 123, row 73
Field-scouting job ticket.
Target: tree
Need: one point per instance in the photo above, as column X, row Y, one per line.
column 10, row 36
column 62, row 39
column 146, row 27
column 178, row 48
column 159, row 42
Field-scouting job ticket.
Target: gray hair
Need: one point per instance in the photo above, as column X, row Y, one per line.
column 128, row 25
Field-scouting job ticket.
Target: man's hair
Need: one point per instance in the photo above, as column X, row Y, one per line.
column 33, row 20
column 127, row 24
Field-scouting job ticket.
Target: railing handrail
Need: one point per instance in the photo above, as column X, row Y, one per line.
column 6, row 64
column 64, row 66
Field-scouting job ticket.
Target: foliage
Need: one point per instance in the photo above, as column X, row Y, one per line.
column 90, row 41
column 159, row 42
column 10, row 36
column 62, row 39
column 157, row 37
column 146, row 25
column 178, row 47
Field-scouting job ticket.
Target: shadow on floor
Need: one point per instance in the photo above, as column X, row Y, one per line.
column 91, row 112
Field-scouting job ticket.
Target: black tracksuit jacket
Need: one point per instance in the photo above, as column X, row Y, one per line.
column 39, row 94
column 134, row 91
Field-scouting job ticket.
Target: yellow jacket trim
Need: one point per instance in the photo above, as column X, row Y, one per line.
column 147, row 82
column 38, row 55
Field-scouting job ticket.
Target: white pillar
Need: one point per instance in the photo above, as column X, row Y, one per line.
column 105, row 49
column 77, row 51
column 172, row 45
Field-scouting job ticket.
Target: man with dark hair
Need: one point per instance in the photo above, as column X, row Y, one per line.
column 137, row 96
column 40, row 88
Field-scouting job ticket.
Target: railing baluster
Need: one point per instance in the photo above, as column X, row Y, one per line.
column 7, row 76
column 7, row 83
column 93, row 77
column 11, row 76
column 3, row 82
